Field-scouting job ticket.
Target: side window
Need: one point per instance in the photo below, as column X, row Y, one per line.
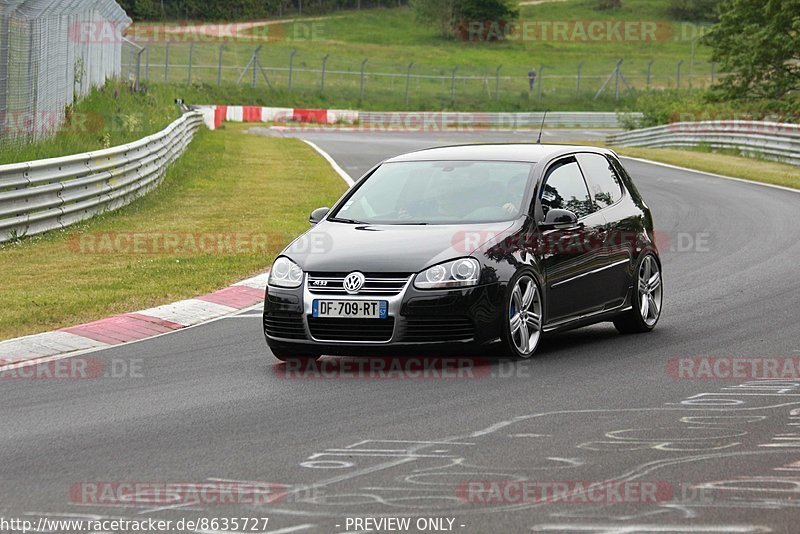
column 564, row 188
column 604, row 183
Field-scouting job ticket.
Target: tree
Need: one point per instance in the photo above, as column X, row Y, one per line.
column 443, row 14
column 447, row 15
column 489, row 9
column 757, row 42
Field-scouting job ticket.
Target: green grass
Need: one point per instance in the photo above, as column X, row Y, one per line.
column 108, row 116
column 746, row 168
column 228, row 182
column 391, row 39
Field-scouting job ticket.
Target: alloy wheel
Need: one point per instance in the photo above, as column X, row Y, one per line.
column 525, row 315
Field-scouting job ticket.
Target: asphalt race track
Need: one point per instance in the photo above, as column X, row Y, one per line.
column 210, row 404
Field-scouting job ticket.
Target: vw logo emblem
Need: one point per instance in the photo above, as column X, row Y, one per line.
column 353, row 282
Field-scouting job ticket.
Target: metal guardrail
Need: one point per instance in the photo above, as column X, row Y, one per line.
column 555, row 119
column 48, row 194
column 769, row 140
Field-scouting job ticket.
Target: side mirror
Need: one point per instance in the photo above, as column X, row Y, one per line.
column 558, row 218
column 318, row 214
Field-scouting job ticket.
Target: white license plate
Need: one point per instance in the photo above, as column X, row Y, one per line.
column 353, row 309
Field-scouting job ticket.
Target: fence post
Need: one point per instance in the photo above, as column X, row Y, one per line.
column 254, row 81
column 678, row 75
column 361, row 90
column 191, row 54
column 713, row 72
column 616, row 80
column 453, row 87
column 541, row 81
column 291, row 64
column 649, row 71
column 147, row 62
column 578, row 82
column 322, row 81
column 219, row 65
column 408, row 80
column 497, row 83
column 138, row 68
column 166, row 63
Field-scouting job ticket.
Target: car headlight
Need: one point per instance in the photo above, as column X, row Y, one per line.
column 285, row 273
column 457, row 273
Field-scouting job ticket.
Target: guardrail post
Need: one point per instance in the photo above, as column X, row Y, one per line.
column 219, row 65
column 361, row 90
column 408, row 80
column 322, row 80
column 497, row 83
column 291, row 68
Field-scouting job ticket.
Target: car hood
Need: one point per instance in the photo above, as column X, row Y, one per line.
column 340, row 247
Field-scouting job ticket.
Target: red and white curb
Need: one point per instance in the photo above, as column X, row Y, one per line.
column 214, row 116
column 135, row 326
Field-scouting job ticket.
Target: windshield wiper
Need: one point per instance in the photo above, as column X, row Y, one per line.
column 347, row 221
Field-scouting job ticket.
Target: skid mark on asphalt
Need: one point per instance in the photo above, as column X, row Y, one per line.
column 717, row 429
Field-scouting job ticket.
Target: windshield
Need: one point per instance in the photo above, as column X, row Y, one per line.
column 439, row 192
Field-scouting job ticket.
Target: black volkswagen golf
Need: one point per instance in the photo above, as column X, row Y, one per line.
column 468, row 248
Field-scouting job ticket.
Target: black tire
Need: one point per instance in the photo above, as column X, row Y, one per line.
column 511, row 340
column 633, row 321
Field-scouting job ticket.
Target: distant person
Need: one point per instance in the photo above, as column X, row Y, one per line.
column 532, row 78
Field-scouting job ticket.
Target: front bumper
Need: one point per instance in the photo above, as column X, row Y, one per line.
column 436, row 321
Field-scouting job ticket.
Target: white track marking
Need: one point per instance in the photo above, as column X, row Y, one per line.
column 346, row 177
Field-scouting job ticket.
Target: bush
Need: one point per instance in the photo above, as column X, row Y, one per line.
column 609, row 4
column 694, row 10
column 664, row 107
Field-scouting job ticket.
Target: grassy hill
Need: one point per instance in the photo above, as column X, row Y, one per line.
column 390, row 39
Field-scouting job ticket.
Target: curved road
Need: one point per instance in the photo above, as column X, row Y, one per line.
column 209, row 405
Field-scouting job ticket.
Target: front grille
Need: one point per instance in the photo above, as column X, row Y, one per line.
column 375, row 284
column 434, row 328
column 341, row 329
column 285, row 325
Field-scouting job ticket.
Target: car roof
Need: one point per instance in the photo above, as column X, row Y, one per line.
column 527, row 152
